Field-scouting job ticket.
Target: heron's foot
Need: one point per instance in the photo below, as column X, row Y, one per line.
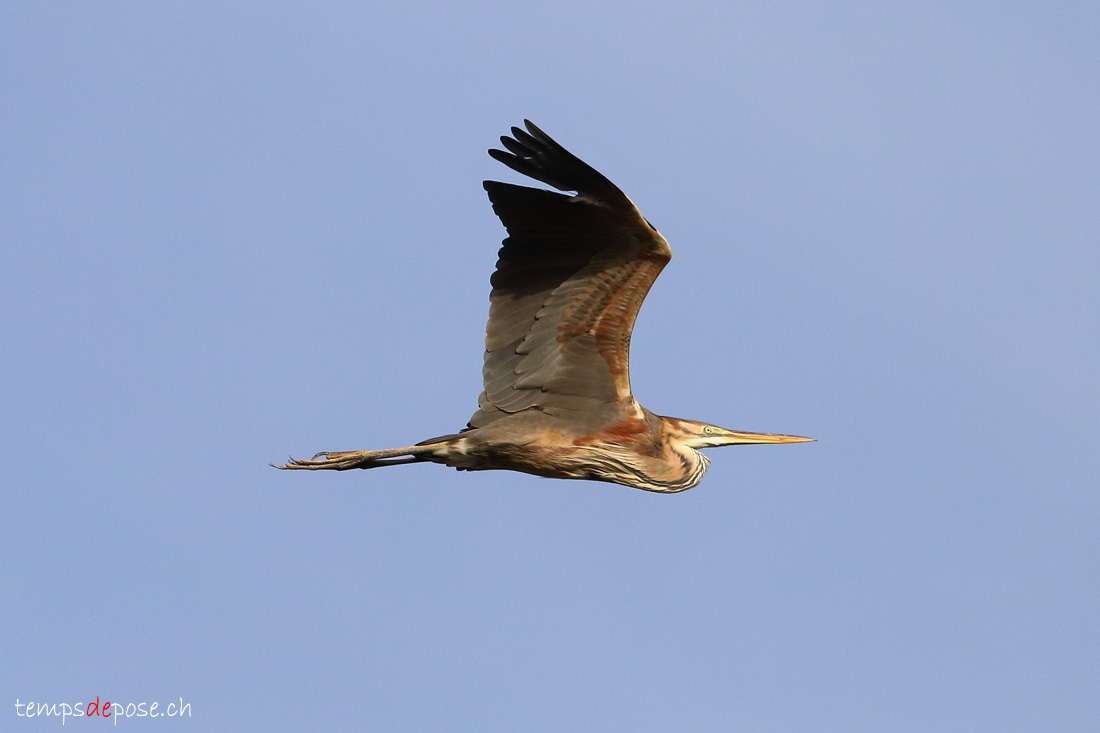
column 334, row 461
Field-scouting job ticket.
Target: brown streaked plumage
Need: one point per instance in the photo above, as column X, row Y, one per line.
column 569, row 281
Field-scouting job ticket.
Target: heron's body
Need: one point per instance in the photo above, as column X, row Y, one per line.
column 634, row 449
column 568, row 285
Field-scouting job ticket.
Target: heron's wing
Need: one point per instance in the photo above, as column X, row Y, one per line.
column 569, row 281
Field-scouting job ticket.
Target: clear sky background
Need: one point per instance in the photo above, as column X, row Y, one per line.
column 236, row 231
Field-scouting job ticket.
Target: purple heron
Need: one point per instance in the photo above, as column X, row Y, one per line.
column 569, row 281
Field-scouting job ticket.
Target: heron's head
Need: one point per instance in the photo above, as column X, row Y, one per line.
column 695, row 434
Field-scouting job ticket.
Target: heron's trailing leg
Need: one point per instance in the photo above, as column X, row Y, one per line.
column 344, row 460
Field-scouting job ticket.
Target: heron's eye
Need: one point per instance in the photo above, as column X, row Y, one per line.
column 707, row 430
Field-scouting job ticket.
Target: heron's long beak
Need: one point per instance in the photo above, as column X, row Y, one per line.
column 734, row 437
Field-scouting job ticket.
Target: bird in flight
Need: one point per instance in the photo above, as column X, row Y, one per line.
column 569, row 281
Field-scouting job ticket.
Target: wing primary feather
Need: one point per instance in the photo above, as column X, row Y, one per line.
column 537, row 155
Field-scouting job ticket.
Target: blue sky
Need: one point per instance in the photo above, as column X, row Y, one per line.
column 237, row 231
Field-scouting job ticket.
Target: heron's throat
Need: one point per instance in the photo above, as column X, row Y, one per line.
column 678, row 468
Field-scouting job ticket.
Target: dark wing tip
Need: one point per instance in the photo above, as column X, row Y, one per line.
column 535, row 154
